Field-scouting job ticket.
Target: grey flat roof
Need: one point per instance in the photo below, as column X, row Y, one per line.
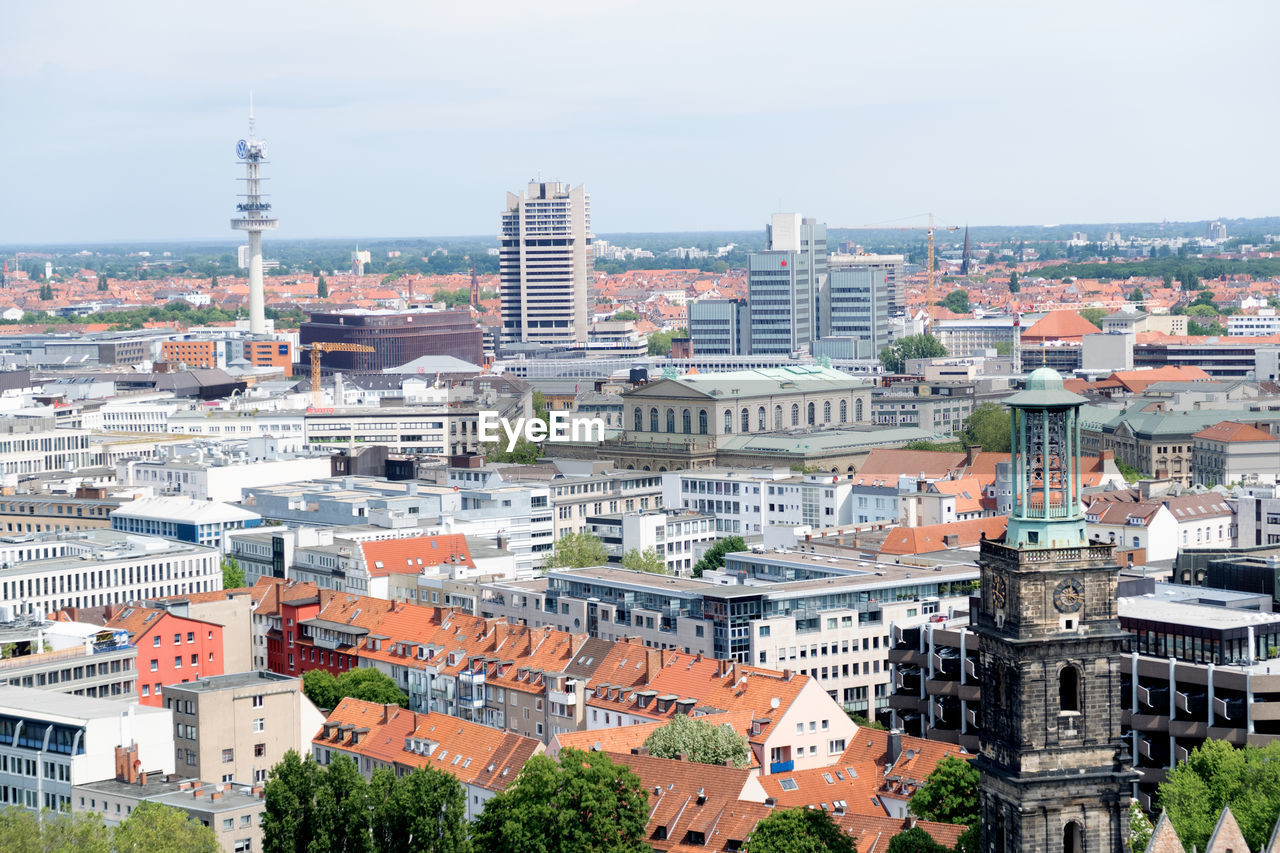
column 1161, row 609
column 231, row 680
column 30, row 701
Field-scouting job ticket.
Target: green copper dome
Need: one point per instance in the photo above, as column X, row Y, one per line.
column 1044, row 379
column 1044, row 389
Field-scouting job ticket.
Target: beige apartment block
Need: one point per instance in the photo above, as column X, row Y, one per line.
column 236, row 727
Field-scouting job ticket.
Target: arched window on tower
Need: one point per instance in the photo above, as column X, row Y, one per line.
column 1073, row 838
column 1069, row 689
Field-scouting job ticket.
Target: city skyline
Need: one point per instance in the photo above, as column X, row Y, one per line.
column 405, row 125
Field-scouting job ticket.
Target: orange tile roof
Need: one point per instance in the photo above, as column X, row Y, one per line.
column 888, row 463
column 1230, row 431
column 1060, row 326
column 411, row 556
column 1136, row 381
column 932, row 537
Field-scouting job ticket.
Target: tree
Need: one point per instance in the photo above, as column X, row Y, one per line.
column 342, row 811
column 862, row 722
column 957, row 301
column 157, row 828
column 288, row 818
column 525, row 452
column 713, row 558
column 46, row 292
column 988, row 426
column 648, row 560
column 423, row 812
column 322, row 288
column 916, row 840
column 577, row 551
column 1216, row 774
column 25, row 831
column 321, row 688
column 660, row 342
column 894, row 358
column 626, row 314
column 370, row 685
column 1140, row 828
column 950, row 794
column 1093, row 315
column 702, row 741
column 232, row 574
column 103, row 286
column 1014, row 287
column 799, row 830
column 1136, row 295
column 586, row 802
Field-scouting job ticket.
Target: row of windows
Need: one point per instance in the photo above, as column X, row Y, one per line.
column 686, row 417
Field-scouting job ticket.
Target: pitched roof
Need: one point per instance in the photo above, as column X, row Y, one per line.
column 884, row 462
column 411, row 556
column 1136, row 381
column 627, row 738
column 1061, row 325
column 937, row 537
column 1227, row 837
column 1164, row 839
column 1230, row 431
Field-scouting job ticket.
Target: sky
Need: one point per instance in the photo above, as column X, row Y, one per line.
column 389, row 118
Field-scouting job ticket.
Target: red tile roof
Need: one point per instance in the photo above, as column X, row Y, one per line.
column 1230, row 431
column 1060, row 326
column 411, row 556
column 934, row 537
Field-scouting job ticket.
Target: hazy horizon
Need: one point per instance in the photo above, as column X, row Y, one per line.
column 403, row 119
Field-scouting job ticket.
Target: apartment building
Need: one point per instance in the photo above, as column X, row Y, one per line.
column 32, row 444
column 679, row 538
column 43, row 573
column 824, row 616
column 195, row 648
column 1230, row 452
column 236, row 727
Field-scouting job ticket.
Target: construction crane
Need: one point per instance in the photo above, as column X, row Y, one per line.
column 318, row 349
column 930, row 228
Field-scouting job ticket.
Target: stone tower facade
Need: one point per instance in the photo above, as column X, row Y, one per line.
column 1054, row 768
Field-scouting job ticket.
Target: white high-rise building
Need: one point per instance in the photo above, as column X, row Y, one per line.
column 544, row 263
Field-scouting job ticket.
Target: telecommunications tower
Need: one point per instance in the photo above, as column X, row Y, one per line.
column 255, row 218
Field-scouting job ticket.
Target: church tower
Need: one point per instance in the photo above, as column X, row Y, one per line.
column 1055, row 773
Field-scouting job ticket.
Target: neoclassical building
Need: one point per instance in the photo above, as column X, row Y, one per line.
column 677, row 422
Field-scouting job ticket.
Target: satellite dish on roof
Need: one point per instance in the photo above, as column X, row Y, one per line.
column 774, row 703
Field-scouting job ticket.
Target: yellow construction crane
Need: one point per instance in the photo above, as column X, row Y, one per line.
column 318, row 350
column 929, row 228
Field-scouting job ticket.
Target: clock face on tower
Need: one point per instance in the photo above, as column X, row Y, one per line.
column 999, row 591
column 1068, row 595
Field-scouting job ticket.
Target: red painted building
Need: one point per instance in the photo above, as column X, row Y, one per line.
column 172, row 649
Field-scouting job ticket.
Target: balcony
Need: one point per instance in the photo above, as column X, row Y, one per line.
column 563, row 697
column 782, row 766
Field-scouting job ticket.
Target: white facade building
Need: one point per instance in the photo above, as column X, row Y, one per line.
column 52, row 741
column 744, row 501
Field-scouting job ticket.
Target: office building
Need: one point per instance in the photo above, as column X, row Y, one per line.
column 783, row 283
column 183, row 518
column 50, row 742
column 544, row 263
column 397, row 337
column 44, row 573
column 32, row 443
column 890, row 266
column 236, row 727
column 854, row 305
column 720, row 327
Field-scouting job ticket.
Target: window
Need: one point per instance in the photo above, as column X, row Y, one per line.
column 155, row 665
column 810, row 414
column 1069, row 689
column 259, row 750
column 259, row 725
column 728, row 421
column 246, row 820
column 155, row 641
column 671, row 420
column 228, row 824
column 228, row 756
column 746, row 419
column 653, row 420
column 177, row 639
column 177, row 661
column 826, row 412
column 258, row 700
column 686, row 422
column 702, row 421
column 844, row 411
column 760, row 420
column 795, row 414
column 191, row 636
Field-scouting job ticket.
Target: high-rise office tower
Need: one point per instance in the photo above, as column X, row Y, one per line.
column 544, row 262
column 853, row 307
column 720, row 327
column 783, row 283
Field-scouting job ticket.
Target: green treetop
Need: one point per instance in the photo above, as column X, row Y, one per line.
column 702, row 741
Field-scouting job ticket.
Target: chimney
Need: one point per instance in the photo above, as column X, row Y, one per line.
column 895, row 745
column 682, row 756
column 786, row 674
column 142, row 779
column 216, row 795
column 653, row 663
column 639, row 750
column 971, row 452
